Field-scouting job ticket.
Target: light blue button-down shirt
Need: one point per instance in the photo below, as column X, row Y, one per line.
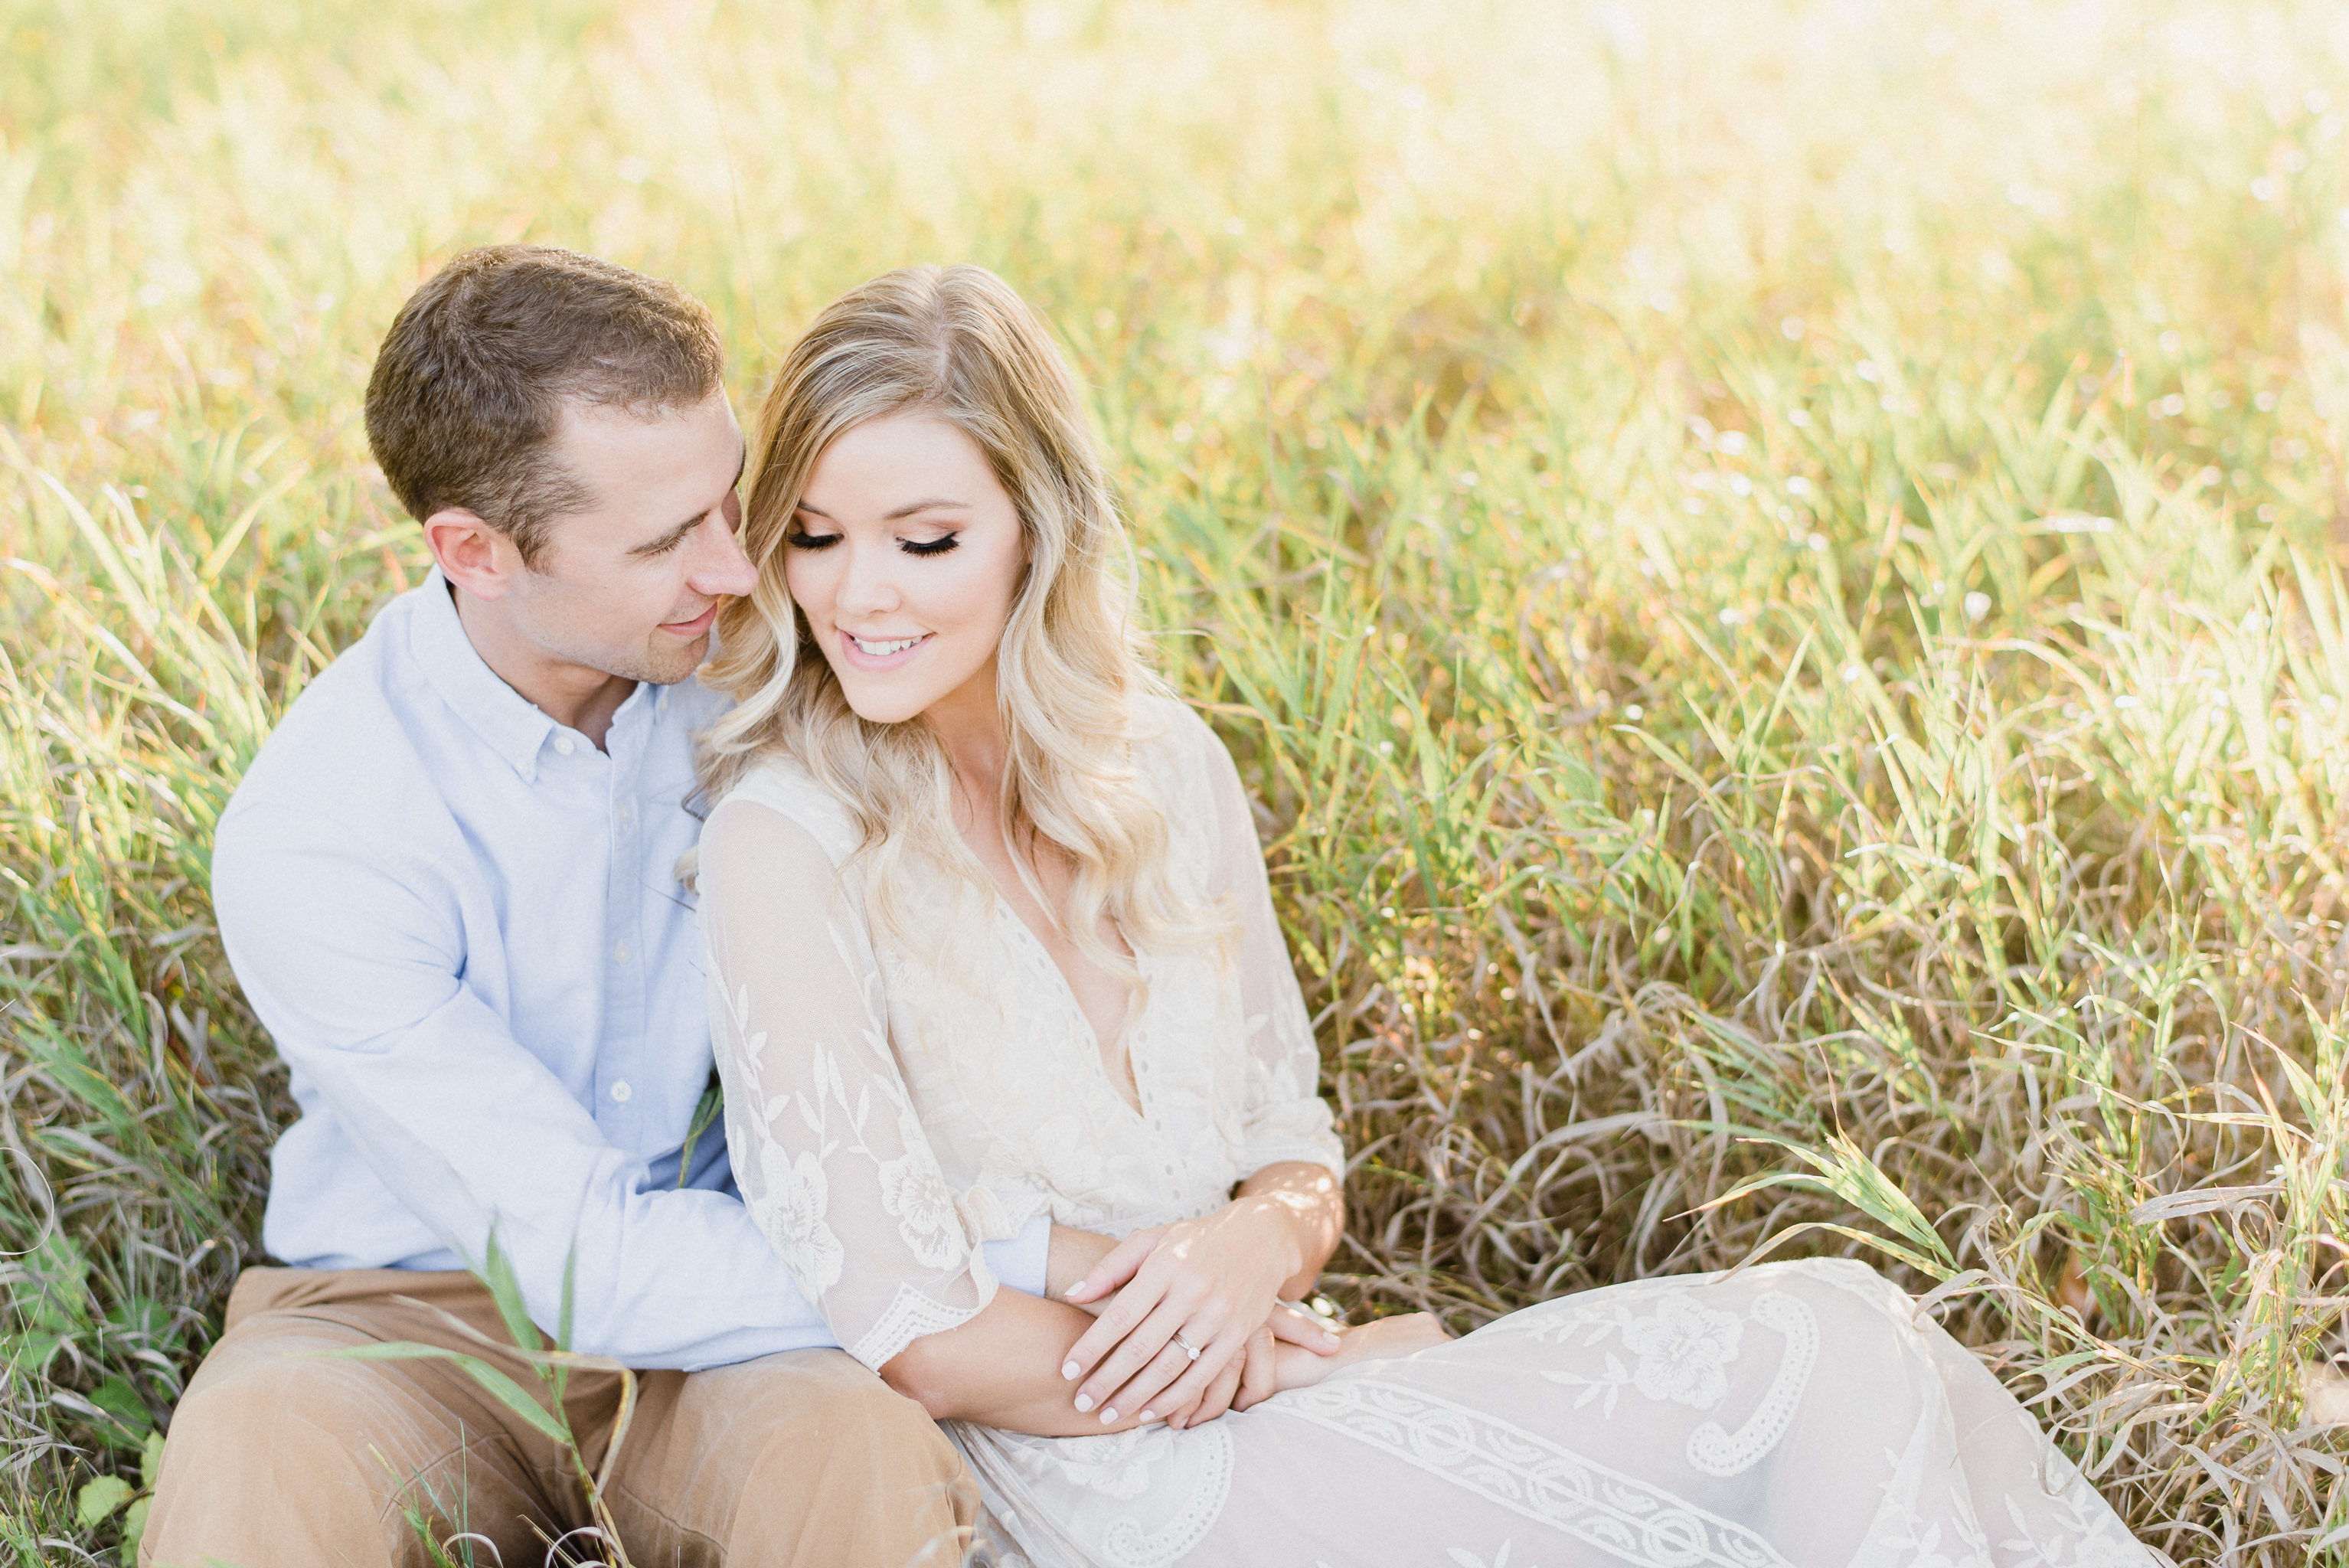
column 461, row 924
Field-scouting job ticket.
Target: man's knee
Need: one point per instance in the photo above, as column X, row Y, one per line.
column 840, row 1413
column 265, row 1445
column 280, row 1451
column 796, row 1458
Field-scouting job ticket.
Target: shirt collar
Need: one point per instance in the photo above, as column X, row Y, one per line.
column 505, row 721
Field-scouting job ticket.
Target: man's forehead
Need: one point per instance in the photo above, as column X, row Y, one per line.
column 594, row 418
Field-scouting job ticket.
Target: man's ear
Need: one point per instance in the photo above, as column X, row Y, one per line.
column 477, row 558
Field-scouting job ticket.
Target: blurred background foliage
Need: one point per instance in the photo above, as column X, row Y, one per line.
column 1776, row 568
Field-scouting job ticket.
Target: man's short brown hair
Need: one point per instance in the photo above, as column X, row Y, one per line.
column 469, row 389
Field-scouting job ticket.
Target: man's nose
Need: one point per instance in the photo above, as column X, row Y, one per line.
column 721, row 567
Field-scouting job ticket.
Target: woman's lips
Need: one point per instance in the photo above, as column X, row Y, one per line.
column 858, row 658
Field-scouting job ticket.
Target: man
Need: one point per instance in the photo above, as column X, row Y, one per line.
column 448, row 885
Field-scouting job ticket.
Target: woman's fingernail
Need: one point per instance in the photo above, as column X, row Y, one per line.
column 1069, row 1370
column 1083, row 1403
column 1149, row 1415
column 1329, row 1338
column 1072, row 1290
column 1108, row 1415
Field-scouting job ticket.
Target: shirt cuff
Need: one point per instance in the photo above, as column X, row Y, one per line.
column 1020, row 1261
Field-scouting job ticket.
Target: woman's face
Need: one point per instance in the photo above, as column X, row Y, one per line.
column 903, row 556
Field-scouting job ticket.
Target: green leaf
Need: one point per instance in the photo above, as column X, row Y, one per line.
column 119, row 1400
column 705, row 1111
column 151, row 1460
column 97, row 1500
column 134, row 1526
column 1846, row 1174
column 497, row 1273
column 504, row 1389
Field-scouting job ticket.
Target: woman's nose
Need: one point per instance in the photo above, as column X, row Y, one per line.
column 867, row 586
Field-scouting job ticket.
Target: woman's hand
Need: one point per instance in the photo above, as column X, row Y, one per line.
column 1381, row 1340
column 1205, row 1285
column 1254, row 1377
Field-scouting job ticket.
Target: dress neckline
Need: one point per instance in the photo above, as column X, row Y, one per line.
column 1074, row 1009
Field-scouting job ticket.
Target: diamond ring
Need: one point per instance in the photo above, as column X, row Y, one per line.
column 1188, row 1347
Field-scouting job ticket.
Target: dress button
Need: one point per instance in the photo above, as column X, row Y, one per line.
column 563, row 744
column 621, row 1091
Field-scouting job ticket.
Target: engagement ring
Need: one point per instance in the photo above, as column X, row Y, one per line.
column 1192, row 1349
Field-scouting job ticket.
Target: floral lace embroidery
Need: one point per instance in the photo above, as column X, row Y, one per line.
column 1684, row 1349
column 1723, row 1453
column 792, row 1213
column 1508, row 1466
column 1130, row 1546
column 909, row 1315
column 1141, row 1499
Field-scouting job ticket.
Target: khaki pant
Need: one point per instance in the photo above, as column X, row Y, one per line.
column 279, row 1457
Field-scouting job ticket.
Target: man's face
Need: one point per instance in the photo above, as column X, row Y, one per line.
column 631, row 586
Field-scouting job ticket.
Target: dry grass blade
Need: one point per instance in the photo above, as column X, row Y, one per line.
column 1779, row 588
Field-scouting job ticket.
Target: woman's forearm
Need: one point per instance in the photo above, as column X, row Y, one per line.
column 1002, row 1368
column 1005, row 1367
column 1310, row 1204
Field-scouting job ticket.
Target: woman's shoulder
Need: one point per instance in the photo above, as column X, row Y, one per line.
column 781, row 784
column 1170, row 734
column 1165, row 725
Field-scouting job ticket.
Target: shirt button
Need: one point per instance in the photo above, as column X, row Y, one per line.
column 563, row 744
column 620, row 953
column 621, row 1091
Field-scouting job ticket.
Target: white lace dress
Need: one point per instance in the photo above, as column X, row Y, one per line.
column 887, row 1111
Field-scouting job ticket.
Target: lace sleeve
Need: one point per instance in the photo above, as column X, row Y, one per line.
column 1287, row 1118
column 830, row 1157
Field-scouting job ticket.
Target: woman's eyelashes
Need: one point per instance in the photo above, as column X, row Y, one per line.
column 801, row 539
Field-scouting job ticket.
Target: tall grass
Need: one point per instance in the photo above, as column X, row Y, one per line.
column 1776, row 568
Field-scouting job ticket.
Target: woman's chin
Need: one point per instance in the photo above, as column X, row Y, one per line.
column 877, row 707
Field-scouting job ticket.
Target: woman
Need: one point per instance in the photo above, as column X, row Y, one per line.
column 990, row 937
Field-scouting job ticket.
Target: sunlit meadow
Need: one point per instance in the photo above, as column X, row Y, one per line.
column 1776, row 568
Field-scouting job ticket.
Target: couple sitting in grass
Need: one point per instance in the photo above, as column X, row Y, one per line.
column 1024, row 1170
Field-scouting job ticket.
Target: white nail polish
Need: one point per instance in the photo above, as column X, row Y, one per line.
column 1069, row 1370
column 1083, row 1403
column 1149, row 1415
column 1109, row 1416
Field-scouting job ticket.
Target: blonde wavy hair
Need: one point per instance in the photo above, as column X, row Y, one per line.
column 957, row 344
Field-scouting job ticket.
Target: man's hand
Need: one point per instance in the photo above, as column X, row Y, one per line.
column 1381, row 1340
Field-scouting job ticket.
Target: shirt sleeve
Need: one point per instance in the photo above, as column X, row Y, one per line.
column 1286, row 1117
column 830, row 1154
column 357, row 969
